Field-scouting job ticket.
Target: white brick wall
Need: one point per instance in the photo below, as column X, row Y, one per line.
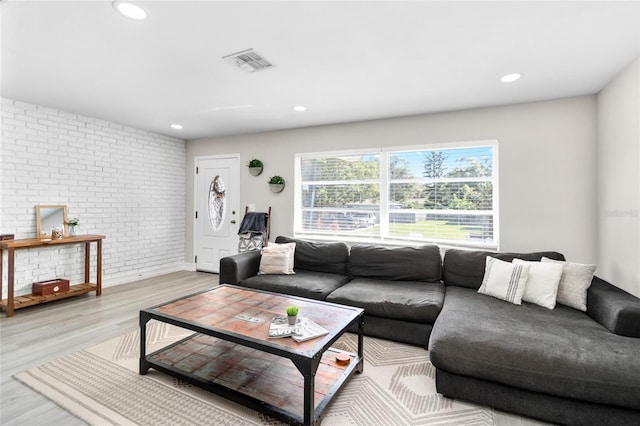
column 125, row 183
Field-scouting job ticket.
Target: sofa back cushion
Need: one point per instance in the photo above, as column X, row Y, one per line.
column 319, row 257
column 395, row 264
column 465, row 268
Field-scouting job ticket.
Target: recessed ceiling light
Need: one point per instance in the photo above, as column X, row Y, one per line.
column 299, row 108
column 510, row 77
column 176, row 126
column 130, row 10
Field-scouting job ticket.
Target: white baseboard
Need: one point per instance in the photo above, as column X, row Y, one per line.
column 127, row 277
column 189, row 266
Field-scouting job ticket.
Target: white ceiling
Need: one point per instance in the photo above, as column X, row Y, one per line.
column 345, row 61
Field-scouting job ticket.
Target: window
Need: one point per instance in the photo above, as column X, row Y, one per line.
column 440, row 195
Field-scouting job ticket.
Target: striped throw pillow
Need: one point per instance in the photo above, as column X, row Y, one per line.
column 504, row 280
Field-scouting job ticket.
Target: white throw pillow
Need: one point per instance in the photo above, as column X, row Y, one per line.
column 289, row 248
column 275, row 262
column 542, row 283
column 504, row 280
column 575, row 281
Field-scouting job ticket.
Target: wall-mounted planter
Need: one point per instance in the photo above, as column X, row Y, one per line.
column 255, row 171
column 276, row 183
column 255, row 167
column 276, row 187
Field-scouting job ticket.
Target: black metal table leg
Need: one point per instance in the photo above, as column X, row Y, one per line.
column 361, row 344
column 308, row 368
column 144, row 365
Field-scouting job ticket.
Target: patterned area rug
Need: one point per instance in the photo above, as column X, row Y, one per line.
column 101, row 385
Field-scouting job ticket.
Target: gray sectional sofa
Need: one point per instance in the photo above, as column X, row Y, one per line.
column 561, row 365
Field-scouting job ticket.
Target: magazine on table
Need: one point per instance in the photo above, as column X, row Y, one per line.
column 304, row 329
column 310, row 330
column 280, row 327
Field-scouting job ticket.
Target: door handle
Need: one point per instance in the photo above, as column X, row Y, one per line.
column 233, row 221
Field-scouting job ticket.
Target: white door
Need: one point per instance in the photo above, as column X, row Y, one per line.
column 217, row 203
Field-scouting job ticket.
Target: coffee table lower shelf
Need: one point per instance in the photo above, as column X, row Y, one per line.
column 265, row 382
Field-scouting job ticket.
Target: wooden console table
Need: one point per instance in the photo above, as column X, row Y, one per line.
column 11, row 246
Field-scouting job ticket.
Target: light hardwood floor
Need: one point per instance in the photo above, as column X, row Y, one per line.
column 42, row 333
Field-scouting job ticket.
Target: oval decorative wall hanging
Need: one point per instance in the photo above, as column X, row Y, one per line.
column 217, row 203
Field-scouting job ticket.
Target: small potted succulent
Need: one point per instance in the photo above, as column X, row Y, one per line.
column 276, row 183
column 292, row 314
column 72, row 223
column 255, row 167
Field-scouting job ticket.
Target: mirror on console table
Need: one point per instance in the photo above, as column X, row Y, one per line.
column 48, row 218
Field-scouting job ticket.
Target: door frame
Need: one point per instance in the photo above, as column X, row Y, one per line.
column 196, row 160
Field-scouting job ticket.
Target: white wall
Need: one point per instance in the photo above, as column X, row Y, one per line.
column 546, row 165
column 619, row 180
column 125, row 183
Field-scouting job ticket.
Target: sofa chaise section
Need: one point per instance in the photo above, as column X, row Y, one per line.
column 558, row 364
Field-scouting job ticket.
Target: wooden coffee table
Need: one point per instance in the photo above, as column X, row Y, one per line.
column 231, row 355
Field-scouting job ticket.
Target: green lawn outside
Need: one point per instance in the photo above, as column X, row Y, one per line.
column 429, row 229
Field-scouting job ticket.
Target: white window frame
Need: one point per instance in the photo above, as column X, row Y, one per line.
column 384, row 238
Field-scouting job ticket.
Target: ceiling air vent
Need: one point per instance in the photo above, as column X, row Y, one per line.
column 249, row 60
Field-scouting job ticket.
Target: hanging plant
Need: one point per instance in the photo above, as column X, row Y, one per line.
column 255, row 167
column 276, row 183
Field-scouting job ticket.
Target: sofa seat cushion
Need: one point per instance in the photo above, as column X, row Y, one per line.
column 413, row 333
column 310, row 284
column 561, row 352
column 414, row 301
